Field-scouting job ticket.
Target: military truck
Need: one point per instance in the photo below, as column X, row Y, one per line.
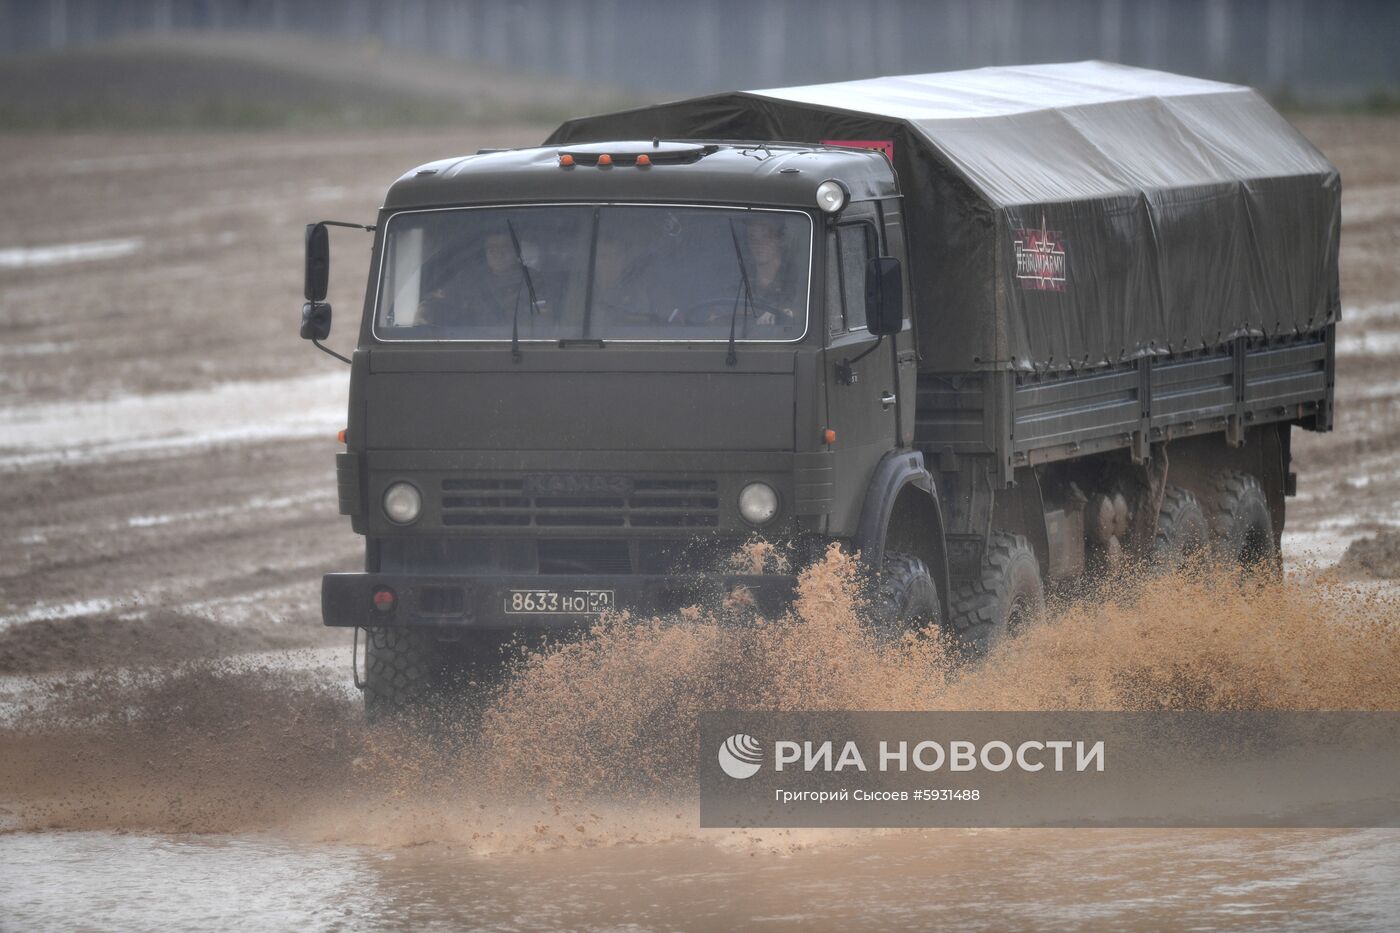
column 992, row 330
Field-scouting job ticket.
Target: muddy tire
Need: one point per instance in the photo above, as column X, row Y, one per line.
column 1241, row 523
column 399, row 668
column 904, row 597
column 409, row 672
column 1005, row 599
column 1182, row 533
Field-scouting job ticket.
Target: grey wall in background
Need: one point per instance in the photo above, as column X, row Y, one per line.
column 1315, row 51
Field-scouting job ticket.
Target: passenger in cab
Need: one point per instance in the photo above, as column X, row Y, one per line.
column 484, row 294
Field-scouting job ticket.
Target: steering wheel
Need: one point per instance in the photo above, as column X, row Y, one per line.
column 434, row 311
column 719, row 309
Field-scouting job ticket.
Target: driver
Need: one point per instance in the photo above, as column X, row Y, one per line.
column 776, row 285
column 773, row 281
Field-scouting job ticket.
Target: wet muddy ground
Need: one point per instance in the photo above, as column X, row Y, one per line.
column 166, row 449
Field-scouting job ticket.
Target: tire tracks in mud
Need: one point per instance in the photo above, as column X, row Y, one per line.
column 137, row 561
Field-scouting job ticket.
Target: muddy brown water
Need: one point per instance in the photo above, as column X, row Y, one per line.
column 251, row 792
column 1092, row 879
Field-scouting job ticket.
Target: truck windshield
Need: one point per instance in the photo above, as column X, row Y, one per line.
column 595, row 272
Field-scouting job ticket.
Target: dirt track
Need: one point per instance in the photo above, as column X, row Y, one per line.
column 166, row 440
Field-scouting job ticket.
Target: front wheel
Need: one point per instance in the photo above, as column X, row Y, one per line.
column 408, row 671
column 905, row 598
column 1007, row 597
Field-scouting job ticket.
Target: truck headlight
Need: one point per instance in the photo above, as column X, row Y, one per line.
column 758, row 503
column 403, row 503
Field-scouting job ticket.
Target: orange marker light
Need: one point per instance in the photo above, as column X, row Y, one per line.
column 565, row 160
column 828, row 436
column 643, row 160
column 340, row 436
column 605, row 159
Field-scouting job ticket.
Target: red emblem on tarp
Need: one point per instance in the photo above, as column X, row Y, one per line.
column 879, row 145
column 1040, row 259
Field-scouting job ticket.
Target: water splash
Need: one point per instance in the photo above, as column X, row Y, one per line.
column 592, row 742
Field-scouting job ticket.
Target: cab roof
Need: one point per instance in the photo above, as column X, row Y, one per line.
column 769, row 174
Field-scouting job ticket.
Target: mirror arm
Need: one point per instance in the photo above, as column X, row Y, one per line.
column 369, row 228
column 325, row 349
column 845, row 374
column 869, row 350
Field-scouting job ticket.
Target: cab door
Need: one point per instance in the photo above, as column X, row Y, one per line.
column 862, row 402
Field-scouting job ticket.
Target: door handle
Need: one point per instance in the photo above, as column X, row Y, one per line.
column 886, row 400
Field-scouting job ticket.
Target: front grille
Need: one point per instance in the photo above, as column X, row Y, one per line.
column 651, row 503
column 452, row 555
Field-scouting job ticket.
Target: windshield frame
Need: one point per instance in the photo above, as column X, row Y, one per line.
column 555, row 341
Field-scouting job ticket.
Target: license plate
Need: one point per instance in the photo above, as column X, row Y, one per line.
column 559, row 602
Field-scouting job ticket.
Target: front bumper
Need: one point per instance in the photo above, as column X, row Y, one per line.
column 537, row 601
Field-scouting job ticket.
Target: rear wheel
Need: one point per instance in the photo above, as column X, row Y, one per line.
column 1241, row 523
column 905, row 598
column 1006, row 598
column 1182, row 533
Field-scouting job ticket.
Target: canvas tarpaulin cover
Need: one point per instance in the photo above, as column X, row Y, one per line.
column 1069, row 215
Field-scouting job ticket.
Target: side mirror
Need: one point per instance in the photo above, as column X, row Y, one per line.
column 884, row 297
column 318, row 264
column 315, row 320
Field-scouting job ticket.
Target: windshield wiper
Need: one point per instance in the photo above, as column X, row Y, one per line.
column 732, row 358
column 529, row 284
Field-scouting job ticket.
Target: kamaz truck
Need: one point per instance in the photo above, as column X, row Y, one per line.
column 993, row 331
